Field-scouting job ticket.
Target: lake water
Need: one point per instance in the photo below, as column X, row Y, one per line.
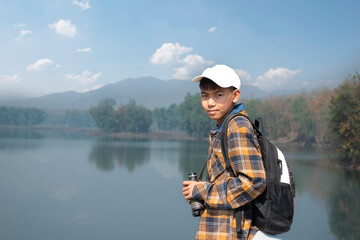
column 63, row 185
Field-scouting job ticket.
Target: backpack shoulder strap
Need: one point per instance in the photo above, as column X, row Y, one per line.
column 224, row 140
column 224, row 150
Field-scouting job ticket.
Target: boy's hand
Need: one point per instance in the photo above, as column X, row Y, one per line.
column 188, row 188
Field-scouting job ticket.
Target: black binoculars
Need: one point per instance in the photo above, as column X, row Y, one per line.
column 196, row 205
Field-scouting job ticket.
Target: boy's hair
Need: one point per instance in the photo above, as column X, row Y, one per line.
column 208, row 84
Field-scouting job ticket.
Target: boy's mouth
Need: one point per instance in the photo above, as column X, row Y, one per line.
column 212, row 112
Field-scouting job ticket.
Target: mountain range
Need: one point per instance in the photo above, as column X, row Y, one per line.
column 147, row 91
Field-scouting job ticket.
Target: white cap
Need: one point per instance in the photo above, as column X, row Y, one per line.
column 222, row 75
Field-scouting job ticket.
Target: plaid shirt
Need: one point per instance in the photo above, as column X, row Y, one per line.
column 223, row 194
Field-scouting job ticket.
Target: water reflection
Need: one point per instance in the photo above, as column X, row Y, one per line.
column 16, row 145
column 31, row 133
column 344, row 206
column 193, row 155
column 130, row 155
column 36, row 172
column 335, row 188
column 336, row 191
column 19, row 134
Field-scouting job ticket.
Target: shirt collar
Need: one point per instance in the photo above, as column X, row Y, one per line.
column 238, row 108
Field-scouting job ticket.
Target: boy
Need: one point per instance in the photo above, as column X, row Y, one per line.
column 227, row 199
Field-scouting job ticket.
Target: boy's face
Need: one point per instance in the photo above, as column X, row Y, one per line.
column 218, row 103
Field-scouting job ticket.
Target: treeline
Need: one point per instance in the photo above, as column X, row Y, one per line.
column 21, row 116
column 324, row 116
column 345, row 119
column 126, row 118
column 303, row 118
column 298, row 118
column 30, row 116
column 188, row 116
column 69, row 118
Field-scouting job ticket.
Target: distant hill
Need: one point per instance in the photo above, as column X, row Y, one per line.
column 147, row 91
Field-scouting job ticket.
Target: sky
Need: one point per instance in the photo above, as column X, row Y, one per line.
column 49, row 46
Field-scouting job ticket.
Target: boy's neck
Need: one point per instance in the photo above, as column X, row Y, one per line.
column 237, row 108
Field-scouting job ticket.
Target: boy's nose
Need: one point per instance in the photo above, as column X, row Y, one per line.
column 211, row 102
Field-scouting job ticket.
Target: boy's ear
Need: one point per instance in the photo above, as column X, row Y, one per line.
column 236, row 95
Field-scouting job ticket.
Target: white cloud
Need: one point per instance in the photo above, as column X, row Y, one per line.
column 83, row 5
column 275, row 78
column 85, row 77
column 169, row 54
column 64, row 27
column 185, row 68
column 192, row 66
column 212, row 29
column 83, row 50
column 245, row 78
column 10, row 78
column 40, row 64
column 22, row 34
column 92, row 88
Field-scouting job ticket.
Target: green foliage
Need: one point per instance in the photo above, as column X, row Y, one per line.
column 254, row 107
column 303, row 120
column 21, row 116
column 320, row 112
column 293, row 118
column 104, row 115
column 345, row 117
column 128, row 118
column 69, row 118
column 137, row 118
column 193, row 117
column 276, row 114
column 167, row 119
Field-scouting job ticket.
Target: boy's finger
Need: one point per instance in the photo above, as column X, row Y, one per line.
column 188, row 196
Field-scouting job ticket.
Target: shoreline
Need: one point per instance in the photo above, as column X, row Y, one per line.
column 180, row 135
column 171, row 135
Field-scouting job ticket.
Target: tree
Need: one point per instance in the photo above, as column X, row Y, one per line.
column 254, row 107
column 69, row 118
column 104, row 115
column 127, row 118
column 319, row 107
column 193, row 118
column 304, row 124
column 21, row 116
column 167, row 119
column 138, row 118
column 345, row 118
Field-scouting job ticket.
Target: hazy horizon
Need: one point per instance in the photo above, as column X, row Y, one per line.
column 79, row 45
column 8, row 98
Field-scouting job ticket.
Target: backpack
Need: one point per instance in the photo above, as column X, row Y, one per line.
column 273, row 210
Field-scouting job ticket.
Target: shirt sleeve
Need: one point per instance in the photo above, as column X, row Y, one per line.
column 245, row 158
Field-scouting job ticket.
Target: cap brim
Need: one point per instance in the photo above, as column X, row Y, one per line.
column 197, row 79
